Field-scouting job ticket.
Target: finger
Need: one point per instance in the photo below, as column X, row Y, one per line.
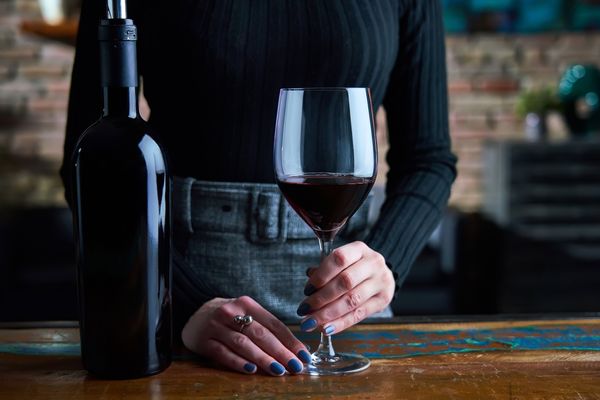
column 271, row 345
column 244, row 347
column 344, row 282
column 268, row 333
column 374, row 304
column 340, row 259
column 278, row 328
column 223, row 355
column 345, row 304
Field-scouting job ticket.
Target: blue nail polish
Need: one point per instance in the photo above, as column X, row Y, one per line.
column 295, row 366
column 309, row 289
column 309, row 324
column 329, row 330
column 277, row 368
column 304, row 356
column 249, row 367
column 303, row 310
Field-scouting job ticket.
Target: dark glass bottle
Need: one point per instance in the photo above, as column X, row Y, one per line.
column 122, row 225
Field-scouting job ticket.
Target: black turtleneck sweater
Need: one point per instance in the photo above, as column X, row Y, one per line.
column 212, row 70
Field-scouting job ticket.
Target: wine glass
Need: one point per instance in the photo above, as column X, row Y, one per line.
column 325, row 156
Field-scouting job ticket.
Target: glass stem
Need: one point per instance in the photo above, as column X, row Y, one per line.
column 325, row 350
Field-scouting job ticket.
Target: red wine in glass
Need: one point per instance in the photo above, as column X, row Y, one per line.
column 325, row 201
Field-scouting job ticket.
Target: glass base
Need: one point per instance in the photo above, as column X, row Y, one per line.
column 338, row 364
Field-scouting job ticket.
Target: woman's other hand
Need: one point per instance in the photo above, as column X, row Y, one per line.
column 352, row 283
column 265, row 344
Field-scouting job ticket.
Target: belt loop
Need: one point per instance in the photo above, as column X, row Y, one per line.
column 186, row 203
column 265, row 211
column 253, row 217
column 283, row 219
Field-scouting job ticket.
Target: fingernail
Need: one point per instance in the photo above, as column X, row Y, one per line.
column 277, row 368
column 308, row 325
column 295, row 366
column 250, row 368
column 309, row 289
column 329, row 330
column 303, row 309
column 304, row 356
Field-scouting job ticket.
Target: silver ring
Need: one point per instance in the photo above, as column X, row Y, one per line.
column 243, row 321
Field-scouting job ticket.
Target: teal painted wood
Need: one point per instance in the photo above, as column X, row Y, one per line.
column 411, row 343
column 41, row 349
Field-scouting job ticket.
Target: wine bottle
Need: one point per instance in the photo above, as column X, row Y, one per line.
column 122, row 218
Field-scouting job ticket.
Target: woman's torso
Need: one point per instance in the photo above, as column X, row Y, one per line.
column 212, row 72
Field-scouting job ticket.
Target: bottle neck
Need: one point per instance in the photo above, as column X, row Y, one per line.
column 120, row 102
column 118, row 67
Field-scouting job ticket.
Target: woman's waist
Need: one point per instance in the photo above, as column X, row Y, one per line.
column 257, row 210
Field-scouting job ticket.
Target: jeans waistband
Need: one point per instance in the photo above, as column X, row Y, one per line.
column 258, row 210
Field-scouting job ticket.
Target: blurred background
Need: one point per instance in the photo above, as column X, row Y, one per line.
column 521, row 235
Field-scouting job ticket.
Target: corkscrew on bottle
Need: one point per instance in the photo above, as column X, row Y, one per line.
column 116, row 9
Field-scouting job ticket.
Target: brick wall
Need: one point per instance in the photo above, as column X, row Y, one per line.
column 34, row 84
column 486, row 73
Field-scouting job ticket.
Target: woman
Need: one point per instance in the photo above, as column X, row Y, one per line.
column 238, row 249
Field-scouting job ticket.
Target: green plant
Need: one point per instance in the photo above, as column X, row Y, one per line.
column 538, row 101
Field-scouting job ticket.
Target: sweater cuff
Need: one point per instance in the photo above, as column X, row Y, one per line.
column 401, row 232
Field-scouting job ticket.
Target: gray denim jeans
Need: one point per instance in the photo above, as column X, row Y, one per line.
column 234, row 239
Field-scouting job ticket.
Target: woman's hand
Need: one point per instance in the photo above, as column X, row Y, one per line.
column 266, row 343
column 352, row 283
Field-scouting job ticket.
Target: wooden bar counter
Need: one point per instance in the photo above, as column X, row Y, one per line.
column 503, row 359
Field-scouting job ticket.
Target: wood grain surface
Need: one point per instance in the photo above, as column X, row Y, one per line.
column 488, row 360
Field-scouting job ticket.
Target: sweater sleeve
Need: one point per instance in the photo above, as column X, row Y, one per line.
column 421, row 164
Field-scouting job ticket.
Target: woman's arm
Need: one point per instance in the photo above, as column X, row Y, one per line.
column 421, row 165
column 85, row 97
column 356, row 280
